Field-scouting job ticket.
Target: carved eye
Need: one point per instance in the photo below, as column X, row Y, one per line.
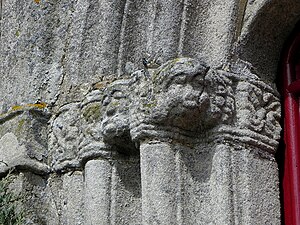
column 221, row 90
column 118, row 95
column 181, row 79
column 198, row 79
column 106, row 100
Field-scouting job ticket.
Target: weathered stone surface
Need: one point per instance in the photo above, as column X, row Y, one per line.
column 115, row 124
column 73, row 202
column 265, row 27
column 112, row 191
column 172, row 93
column 23, row 142
column 97, row 192
column 186, row 123
column 172, row 141
column 31, row 190
column 60, row 45
column 64, row 137
column 236, row 109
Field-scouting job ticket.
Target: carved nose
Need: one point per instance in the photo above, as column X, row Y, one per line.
column 204, row 99
column 109, row 128
column 191, row 99
column 111, row 111
column 106, row 101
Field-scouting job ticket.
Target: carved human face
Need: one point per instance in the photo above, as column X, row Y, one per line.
column 174, row 96
column 180, row 102
column 115, row 124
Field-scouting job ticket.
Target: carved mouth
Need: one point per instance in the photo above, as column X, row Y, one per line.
column 115, row 125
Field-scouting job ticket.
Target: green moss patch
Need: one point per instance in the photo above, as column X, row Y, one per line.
column 92, row 112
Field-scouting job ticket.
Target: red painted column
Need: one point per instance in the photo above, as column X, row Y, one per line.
column 291, row 178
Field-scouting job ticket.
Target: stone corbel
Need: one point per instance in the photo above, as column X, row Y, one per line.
column 184, row 99
column 93, row 134
column 112, row 169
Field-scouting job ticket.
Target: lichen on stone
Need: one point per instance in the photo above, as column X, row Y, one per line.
column 92, row 112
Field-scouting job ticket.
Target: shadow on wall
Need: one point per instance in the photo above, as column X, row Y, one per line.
column 266, row 27
column 130, row 177
column 198, row 164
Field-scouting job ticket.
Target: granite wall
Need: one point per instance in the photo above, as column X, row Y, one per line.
column 143, row 112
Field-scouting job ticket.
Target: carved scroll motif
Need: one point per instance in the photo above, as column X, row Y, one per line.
column 257, row 114
column 186, row 133
column 181, row 100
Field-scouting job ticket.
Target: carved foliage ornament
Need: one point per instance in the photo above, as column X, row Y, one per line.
column 181, row 100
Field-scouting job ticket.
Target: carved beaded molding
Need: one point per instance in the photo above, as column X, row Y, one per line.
column 181, row 101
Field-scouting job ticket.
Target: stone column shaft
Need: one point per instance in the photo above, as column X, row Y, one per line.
column 97, row 192
column 159, row 184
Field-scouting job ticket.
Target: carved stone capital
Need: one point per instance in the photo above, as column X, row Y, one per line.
column 182, row 101
column 75, row 133
column 115, row 123
column 257, row 113
column 171, row 100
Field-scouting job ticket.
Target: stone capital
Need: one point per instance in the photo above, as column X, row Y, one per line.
column 181, row 101
column 185, row 100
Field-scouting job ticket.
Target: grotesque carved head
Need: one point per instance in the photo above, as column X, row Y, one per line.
column 180, row 97
column 115, row 123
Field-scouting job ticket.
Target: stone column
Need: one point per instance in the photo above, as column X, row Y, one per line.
column 254, row 140
column 165, row 22
column 160, row 184
column 207, row 141
column 113, row 175
column 163, row 121
column 97, row 192
column 97, row 159
column 184, row 145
